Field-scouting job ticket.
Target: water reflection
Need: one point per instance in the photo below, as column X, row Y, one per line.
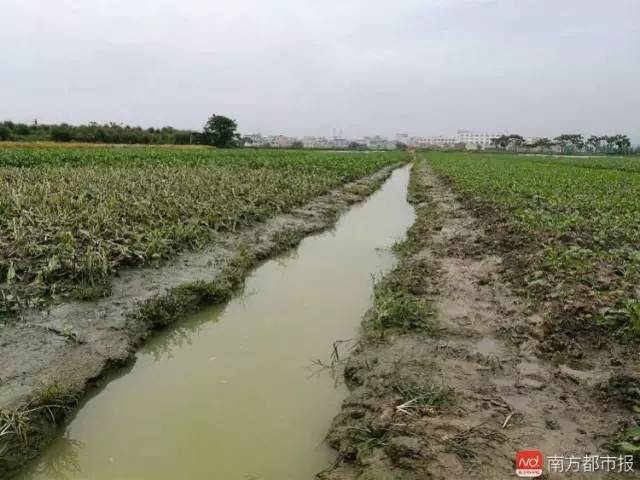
column 64, row 464
column 163, row 343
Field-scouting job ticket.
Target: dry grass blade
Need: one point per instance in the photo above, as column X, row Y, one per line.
column 14, row 422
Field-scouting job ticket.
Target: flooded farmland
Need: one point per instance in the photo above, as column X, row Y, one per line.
column 233, row 391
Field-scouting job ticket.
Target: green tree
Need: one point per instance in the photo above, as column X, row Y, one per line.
column 622, row 143
column 182, row 138
column 593, row 142
column 570, row 142
column 502, row 141
column 220, row 131
column 610, row 141
column 22, row 129
column 544, row 144
column 61, row 134
column 516, row 141
column 5, row 133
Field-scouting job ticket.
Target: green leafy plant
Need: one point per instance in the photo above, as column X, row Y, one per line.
column 569, row 227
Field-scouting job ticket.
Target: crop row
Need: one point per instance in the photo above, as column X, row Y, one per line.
column 352, row 164
column 571, row 231
column 625, row 164
column 70, row 218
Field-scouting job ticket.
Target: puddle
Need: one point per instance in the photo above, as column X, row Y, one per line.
column 231, row 392
column 488, row 346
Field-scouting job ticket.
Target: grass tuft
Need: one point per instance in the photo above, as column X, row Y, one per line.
column 629, row 443
column 400, row 311
column 421, row 399
column 53, row 400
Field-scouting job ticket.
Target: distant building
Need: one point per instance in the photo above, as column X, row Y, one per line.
column 378, row 143
column 255, row 140
column 463, row 139
column 340, row 142
column 310, row 142
column 316, row 142
column 280, row 141
column 403, row 138
column 438, row 141
column 476, row 140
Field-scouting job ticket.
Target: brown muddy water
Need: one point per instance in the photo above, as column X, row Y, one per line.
column 232, row 393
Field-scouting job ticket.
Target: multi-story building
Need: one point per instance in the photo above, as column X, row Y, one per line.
column 403, row 138
column 280, row 141
column 311, row 142
column 339, row 142
column 378, row 143
column 317, row 142
column 476, row 140
column 437, row 141
column 462, row 139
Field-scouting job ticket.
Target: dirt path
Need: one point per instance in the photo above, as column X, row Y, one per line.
column 501, row 396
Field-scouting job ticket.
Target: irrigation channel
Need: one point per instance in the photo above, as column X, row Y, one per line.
column 232, row 392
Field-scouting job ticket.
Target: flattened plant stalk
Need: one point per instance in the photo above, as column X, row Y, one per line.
column 71, row 218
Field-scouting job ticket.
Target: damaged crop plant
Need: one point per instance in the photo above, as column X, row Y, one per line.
column 72, row 217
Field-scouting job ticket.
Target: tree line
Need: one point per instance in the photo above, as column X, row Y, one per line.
column 219, row 131
column 567, row 143
column 96, row 133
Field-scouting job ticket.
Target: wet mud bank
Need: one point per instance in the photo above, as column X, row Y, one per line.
column 51, row 360
column 448, row 380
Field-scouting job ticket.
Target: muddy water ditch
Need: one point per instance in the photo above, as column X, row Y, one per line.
column 233, row 392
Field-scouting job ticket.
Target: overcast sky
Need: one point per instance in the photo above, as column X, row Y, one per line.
column 535, row 67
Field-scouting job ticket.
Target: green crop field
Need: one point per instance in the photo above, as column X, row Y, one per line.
column 70, row 217
column 570, row 228
column 628, row 164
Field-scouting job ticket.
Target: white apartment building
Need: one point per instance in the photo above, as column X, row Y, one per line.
column 280, row 141
column 437, row 141
column 378, row 143
column 403, row 138
column 340, row 142
column 476, row 140
column 324, row 142
column 314, row 142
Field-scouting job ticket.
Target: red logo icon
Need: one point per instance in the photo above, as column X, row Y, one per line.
column 529, row 463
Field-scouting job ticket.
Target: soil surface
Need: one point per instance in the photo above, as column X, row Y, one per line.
column 501, row 394
column 50, row 359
